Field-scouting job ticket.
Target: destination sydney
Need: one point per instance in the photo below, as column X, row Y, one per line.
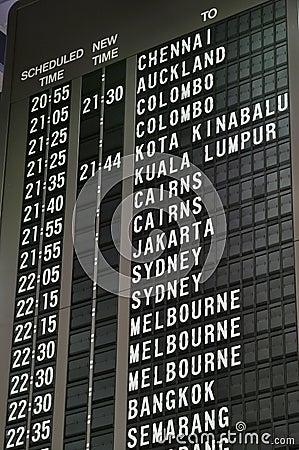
column 185, row 334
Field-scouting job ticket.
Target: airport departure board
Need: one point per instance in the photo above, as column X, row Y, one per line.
column 149, row 228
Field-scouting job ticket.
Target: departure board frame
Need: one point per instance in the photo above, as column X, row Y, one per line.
column 82, row 100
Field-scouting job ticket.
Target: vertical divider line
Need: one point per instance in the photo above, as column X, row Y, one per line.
column 39, row 268
column 293, row 70
column 94, row 290
column 120, row 412
column 67, row 268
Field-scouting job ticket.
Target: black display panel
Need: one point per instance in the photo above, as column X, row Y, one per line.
column 208, row 359
column 158, row 308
